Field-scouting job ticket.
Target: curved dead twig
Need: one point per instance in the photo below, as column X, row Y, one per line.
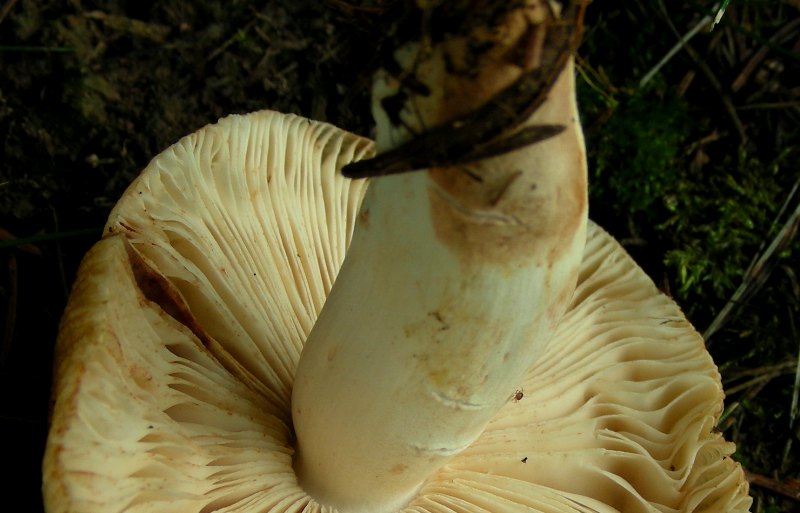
column 492, row 129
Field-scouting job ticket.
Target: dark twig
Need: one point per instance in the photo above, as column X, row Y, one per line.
column 6, row 9
column 793, row 407
column 491, row 129
column 8, row 239
column 710, row 76
column 231, row 40
column 789, row 490
column 760, row 269
column 759, row 380
column 350, row 10
column 45, row 237
column 11, row 311
column 682, row 42
column 761, row 53
column 778, row 369
column 770, row 106
column 751, row 34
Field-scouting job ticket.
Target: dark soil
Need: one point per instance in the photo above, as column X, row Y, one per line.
column 690, row 171
column 89, row 93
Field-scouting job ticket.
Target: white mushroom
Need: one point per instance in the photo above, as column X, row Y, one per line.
column 451, row 289
column 180, row 351
column 176, row 357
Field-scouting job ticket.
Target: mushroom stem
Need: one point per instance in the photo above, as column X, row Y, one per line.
column 453, row 284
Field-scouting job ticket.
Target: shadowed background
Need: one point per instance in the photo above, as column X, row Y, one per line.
column 694, row 165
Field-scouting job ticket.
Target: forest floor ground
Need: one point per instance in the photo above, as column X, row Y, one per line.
column 695, row 170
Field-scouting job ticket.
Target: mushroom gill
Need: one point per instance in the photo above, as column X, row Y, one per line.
column 178, row 348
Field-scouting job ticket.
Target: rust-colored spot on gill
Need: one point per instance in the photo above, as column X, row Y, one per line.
column 363, row 217
column 398, row 468
column 156, row 288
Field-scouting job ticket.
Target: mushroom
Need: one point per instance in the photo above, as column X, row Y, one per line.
column 180, row 383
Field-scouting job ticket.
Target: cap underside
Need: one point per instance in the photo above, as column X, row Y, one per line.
column 178, row 349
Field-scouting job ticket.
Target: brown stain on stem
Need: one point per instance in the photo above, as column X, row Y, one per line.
column 522, row 206
column 510, row 215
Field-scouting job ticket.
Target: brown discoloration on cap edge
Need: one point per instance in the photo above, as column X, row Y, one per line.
column 159, row 290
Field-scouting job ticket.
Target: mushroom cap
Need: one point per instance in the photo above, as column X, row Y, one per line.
column 177, row 352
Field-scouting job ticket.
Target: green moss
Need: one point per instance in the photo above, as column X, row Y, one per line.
column 718, row 220
column 636, row 155
column 671, row 177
